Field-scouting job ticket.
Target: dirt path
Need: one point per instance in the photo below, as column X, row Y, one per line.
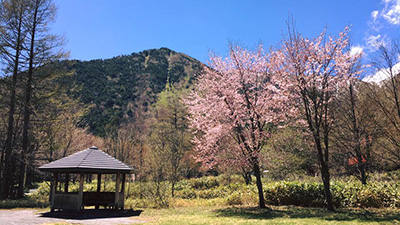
column 31, row 216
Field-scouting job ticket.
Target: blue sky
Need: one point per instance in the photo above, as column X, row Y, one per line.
column 103, row 29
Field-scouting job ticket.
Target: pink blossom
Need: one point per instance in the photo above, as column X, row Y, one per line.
column 233, row 103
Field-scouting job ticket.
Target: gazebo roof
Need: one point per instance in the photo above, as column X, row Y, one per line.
column 90, row 160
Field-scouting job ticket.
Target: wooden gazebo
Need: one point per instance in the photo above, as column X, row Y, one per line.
column 88, row 161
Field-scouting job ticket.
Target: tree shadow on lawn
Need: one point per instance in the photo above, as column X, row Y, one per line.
column 364, row 215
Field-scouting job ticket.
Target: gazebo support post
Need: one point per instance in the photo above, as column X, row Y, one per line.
column 123, row 190
column 66, row 182
column 116, row 203
column 81, row 180
column 53, row 190
column 98, row 187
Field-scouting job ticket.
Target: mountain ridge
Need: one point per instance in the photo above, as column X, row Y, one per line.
column 381, row 75
column 122, row 88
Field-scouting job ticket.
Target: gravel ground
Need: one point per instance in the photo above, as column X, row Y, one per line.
column 31, row 216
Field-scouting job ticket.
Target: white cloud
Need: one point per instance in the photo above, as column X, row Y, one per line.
column 391, row 12
column 356, row 50
column 374, row 41
column 388, row 14
column 383, row 19
column 374, row 15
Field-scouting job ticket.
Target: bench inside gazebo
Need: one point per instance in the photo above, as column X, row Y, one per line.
column 88, row 161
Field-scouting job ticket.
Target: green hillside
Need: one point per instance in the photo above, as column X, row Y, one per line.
column 120, row 89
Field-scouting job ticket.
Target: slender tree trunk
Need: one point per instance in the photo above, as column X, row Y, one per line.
column 173, row 189
column 325, row 176
column 326, row 180
column 356, row 133
column 361, row 168
column 324, row 166
column 5, row 185
column 361, row 165
column 396, row 98
column 368, row 150
column 13, row 173
column 325, row 159
column 247, row 177
column 1, row 172
column 139, row 174
column 29, row 176
column 257, row 173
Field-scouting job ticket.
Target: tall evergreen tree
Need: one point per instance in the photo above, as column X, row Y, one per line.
column 26, row 47
column 169, row 133
column 12, row 35
column 41, row 49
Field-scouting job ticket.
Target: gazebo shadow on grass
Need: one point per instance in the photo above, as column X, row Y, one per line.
column 92, row 214
column 362, row 215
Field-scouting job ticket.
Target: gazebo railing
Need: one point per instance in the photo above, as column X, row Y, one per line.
column 99, row 198
column 67, row 201
column 70, row 200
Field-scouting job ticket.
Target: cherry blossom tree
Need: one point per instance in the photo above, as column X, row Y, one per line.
column 237, row 99
column 318, row 68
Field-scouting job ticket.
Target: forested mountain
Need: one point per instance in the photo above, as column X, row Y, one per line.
column 120, row 89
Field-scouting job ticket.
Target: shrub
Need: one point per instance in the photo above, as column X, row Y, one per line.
column 158, row 193
column 375, row 194
column 204, row 183
column 234, row 199
column 42, row 193
column 206, row 190
column 134, row 203
column 344, row 194
column 295, row 193
column 186, row 194
column 211, row 193
column 22, row 203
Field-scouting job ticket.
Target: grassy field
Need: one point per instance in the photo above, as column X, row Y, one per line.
column 275, row 215
column 216, row 200
column 251, row 215
column 201, row 211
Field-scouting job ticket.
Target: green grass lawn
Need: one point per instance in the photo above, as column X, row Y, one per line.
column 276, row 215
column 208, row 200
column 244, row 215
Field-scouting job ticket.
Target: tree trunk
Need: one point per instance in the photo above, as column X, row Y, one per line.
column 30, row 171
column 257, row 173
column 27, row 104
column 326, row 180
column 247, row 177
column 5, row 185
column 357, row 137
column 173, row 189
column 139, row 174
column 368, row 144
column 323, row 162
column 361, row 168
